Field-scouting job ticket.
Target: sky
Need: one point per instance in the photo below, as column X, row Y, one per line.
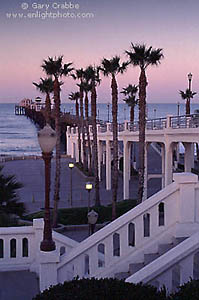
column 86, row 31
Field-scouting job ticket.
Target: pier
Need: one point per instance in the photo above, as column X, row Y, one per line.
column 20, row 110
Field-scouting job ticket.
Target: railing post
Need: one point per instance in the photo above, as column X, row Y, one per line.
column 187, row 202
column 48, row 269
column 126, row 125
column 169, row 121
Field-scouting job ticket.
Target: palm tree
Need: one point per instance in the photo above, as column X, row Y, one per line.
column 75, row 96
column 130, row 92
column 92, row 75
column 55, row 67
column 187, row 95
column 79, row 75
column 111, row 68
column 8, row 195
column 87, row 87
column 141, row 56
column 45, row 86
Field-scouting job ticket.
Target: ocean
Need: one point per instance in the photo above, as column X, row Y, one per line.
column 18, row 135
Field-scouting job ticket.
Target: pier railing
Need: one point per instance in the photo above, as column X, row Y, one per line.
column 174, row 122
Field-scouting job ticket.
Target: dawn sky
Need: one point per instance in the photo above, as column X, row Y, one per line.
column 109, row 28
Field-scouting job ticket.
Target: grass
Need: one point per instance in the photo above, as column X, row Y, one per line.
column 78, row 215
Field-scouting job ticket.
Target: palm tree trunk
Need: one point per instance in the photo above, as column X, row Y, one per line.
column 79, row 131
column 82, row 127
column 142, row 122
column 88, row 133
column 58, row 151
column 95, row 148
column 132, row 113
column 188, row 106
column 115, row 144
column 48, row 108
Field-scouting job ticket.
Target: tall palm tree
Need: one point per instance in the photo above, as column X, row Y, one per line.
column 141, row 56
column 92, row 75
column 45, row 86
column 55, row 67
column 75, row 96
column 130, row 98
column 111, row 68
column 187, row 95
column 87, row 87
column 79, row 73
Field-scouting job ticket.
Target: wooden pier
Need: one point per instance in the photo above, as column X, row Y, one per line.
column 20, row 110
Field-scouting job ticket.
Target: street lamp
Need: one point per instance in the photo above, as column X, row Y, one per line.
column 92, row 219
column 47, row 139
column 71, row 166
column 190, row 78
column 89, row 187
column 189, row 87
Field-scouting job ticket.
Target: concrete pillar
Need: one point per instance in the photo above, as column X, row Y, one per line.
column 126, row 164
column 168, row 163
column 108, row 165
column 186, row 269
column 48, row 269
column 188, row 156
column 145, row 171
column 99, row 159
column 163, row 164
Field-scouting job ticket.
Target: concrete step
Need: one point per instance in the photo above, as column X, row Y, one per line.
column 148, row 258
column 122, row 275
column 133, row 268
column 163, row 248
column 18, row 285
column 177, row 241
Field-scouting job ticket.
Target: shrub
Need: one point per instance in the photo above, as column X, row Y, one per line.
column 187, row 291
column 101, row 289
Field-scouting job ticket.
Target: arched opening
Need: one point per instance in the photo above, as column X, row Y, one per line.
column 131, row 234
column 86, row 265
column 1, row 248
column 13, row 248
column 62, row 250
column 101, row 255
column 25, row 247
column 146, row 220
column 116, row 244
column 161, row 214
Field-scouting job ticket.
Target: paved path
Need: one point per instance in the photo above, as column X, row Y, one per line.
column 31, row 173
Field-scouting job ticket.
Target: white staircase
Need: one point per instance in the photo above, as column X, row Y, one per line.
column 156, row 243
column 149, row 236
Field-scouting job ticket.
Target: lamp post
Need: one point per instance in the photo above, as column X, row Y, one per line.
column 47, row 140
column 189, row 87
column 92, row 219
column 89, row 187
column 71, row 166
column 108, row 106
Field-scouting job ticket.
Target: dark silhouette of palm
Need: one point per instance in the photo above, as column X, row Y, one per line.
column 112, row 67
column 143, row 57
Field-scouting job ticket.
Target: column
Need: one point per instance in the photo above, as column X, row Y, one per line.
column 168, row 163
column 145, row 171
column 188, row 156
column 186, row 269
column 99, row 159
column 108, row 165
column 126, row 163
column 163, row 164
